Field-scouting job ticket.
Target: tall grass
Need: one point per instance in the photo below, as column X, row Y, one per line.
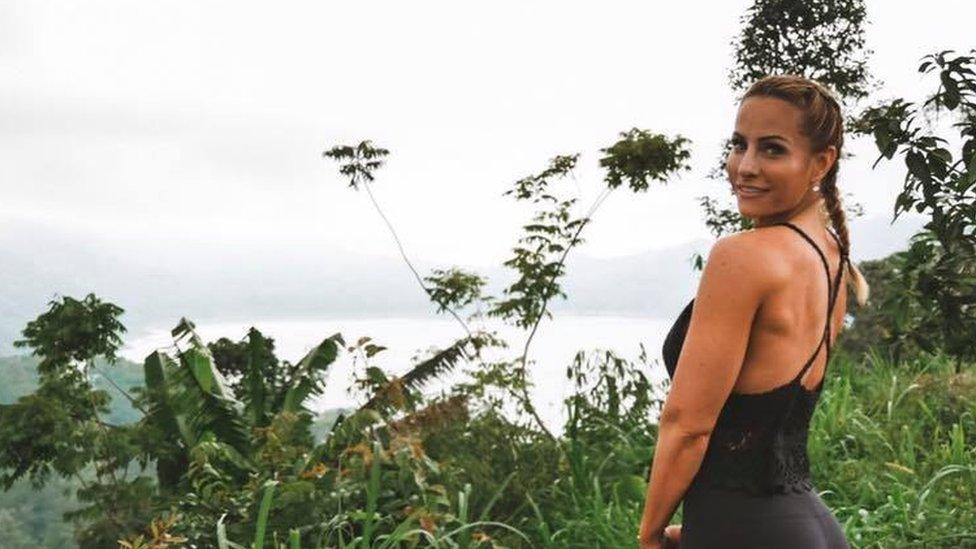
column 892, row 450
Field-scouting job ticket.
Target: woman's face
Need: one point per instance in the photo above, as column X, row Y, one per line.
column 771, row 167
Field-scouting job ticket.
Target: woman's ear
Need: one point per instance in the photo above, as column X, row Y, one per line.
column 824, row 161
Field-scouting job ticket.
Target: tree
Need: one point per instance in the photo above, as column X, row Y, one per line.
column 61, row 428
column 940, row 265
column 889, row 326
column 638, row 158
column 219, row 421
column 820, row 39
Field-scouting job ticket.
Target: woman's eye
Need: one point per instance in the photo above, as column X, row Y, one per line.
column 771, row 148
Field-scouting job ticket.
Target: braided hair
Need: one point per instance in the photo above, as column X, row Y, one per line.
column 823, row 124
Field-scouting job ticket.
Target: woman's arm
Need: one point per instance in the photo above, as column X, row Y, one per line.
column 737, row 277
column 677, row 457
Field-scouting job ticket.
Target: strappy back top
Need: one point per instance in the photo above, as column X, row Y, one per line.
column 759, row 442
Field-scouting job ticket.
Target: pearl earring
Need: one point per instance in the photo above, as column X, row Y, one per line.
column 816, row 188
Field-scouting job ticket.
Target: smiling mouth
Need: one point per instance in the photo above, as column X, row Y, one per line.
column 749, row 190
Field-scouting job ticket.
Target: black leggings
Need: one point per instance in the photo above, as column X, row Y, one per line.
column 717, row 518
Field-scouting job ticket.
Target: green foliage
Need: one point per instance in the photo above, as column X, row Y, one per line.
column 537, row 261
column 357, row 162
column 212, row 438
column 73, row 332
column 60, row 428
column 250, row 366
column 640, row 156
column 158, row 536
column 226, row 447
column 389, row 474
column 637, row 158
column 820, row 39
column 940, row 266
column 57, row 428
column 41, row 509
column 115, row 506
column 720, row 220
column 50, row 431
column 893, row 448
column 454, row 287
column 888, row 323
column 36, row 514
column 399, row 393
column 608, row 439
column 306, row 378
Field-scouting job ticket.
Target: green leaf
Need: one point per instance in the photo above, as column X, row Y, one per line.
column 372, row 493
column 258, row 351
column 307, row 378
column 631, row 488
column 183, row 327
column 263, row 512
column 951, row 95
column 200, row 403
column 915, row 161
column 943, row 154
column 159, row 368
column 201, row 367
column 882, row 140
column 222, row 541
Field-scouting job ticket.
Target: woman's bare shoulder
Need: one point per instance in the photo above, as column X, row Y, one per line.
column 758, row 254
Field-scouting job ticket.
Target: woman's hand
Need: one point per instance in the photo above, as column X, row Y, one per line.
column 670, row 538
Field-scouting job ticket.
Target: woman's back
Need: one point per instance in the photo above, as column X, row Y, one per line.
column 756, row 468
column 788, row 325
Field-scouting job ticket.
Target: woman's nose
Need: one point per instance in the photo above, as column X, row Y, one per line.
column 748, row 164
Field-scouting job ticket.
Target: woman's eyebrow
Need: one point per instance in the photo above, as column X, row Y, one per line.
column 773, row 136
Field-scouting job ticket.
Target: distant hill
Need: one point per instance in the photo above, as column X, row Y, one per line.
column 210, row 281
column 20, row 378
column 33, row 517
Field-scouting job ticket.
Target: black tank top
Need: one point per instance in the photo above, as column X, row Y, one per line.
column 759, row 442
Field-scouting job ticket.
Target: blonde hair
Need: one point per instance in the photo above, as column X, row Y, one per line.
column 823, row 125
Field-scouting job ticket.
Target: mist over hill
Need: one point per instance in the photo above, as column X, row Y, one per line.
column 159, row 282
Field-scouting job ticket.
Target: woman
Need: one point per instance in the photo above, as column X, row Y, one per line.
column 745, row 356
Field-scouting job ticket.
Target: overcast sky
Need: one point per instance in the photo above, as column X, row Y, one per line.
column 170, row 128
